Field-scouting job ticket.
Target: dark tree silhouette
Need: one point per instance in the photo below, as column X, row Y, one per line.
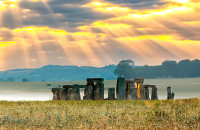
column 169, row 68
column 25, row 80
column 185, row 68
column 125, row 68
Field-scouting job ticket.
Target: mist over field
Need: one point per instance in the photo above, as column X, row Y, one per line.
column 15, row 91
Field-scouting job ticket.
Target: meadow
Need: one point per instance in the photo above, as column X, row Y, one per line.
column 47, row 114
column 157, row 114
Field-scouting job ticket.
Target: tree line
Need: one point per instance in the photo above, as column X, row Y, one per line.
column 168, row 68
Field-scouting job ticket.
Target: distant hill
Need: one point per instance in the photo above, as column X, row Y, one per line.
column 59, row 73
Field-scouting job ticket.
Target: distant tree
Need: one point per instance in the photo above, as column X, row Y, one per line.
column 125, row 68
column 169, row 68
column 184, row 68
column 25, row 80
column 195, row 68
column 148, row 71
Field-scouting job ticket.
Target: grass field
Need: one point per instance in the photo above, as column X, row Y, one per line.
column 160, row 114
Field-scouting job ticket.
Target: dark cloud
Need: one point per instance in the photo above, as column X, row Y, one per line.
column 139, row 4
column 8, row 19
column 60, row 13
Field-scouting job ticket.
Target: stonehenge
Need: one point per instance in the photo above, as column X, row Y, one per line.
column 126, row 89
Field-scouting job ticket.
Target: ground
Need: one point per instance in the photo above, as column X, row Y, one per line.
column 161, row 114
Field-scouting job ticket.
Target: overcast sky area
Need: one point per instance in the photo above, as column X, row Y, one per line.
column 34, row 33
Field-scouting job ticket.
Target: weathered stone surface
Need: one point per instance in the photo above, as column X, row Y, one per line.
column 59, row 93
column 74, row 85
column 133, row 94
column 56, row 93
column 146, row 93
column 95, row 79
column 168, row 92
column 111, row 93
column 68, row 93
column 88, row 92
column 154, row 95
column 120, row 88
column 142, row 92
column 128, row 85
column 102, row 91
column 139, row 80
column 97, row 91
column 63, row 94
column 170, row 95
column 139, row 85
column 94, row 92
column 75, row 94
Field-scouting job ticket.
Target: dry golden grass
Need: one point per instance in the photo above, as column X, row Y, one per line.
column 160, row 114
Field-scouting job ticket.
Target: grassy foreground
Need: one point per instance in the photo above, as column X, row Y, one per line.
column 160, row 114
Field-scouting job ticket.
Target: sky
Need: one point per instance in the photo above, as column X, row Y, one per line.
column 34, row 33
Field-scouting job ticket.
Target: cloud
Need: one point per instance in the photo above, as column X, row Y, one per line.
column 89, row 32
column 140, row 4
column 59, row 13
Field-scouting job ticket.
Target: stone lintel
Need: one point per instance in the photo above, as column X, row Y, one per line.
column 139, row 80
column 74, row 86
column 95, row 79
column 149, row 86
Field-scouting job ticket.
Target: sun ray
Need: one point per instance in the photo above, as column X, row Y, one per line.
column 159, row 32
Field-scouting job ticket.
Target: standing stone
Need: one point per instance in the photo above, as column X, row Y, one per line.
column 169, row 93
column 88, row 91
column 56, row 93
column 63, row 93
column 68, row 92
column 111, row 93
column 76, row 91
column 121, row 88
column 102, row 91
column 128, row 85
column 172, row 96
column 140, row 87
column 97, row 91
column 59, row 93
column 154, row 95
column 132, row 94
column 71, row 94
column 146, row 93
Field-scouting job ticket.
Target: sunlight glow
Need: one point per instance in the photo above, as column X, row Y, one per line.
column 171, row 9
column 7, row 43
column 108, row 32
column 8, row 3
column 33, row 29
column 181, row 1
